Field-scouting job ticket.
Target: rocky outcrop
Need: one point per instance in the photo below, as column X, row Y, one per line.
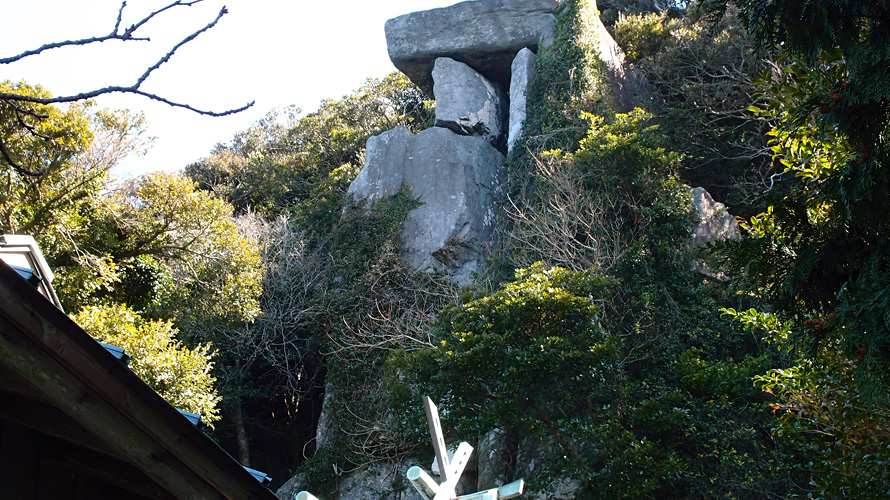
column 713, row 223
column 521, row 72
column 456, row 178
column 485, row 34
column 466, row 102
column 628, row 85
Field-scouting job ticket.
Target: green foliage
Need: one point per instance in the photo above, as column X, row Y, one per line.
column 541, row 358
column 816, row 248
column 159, row 244
column 569, row 80
column 615, row 202
column 77, row 146
column 702, row 80
column 274, row 166
column 826, row 419
column 179, row 374
column 36, row 135
column 320, row 471
column 857, row 31
column 376, row 305
column 530, row 346
column 623, row 362
column 215, row 272
column 836, row 438
column 643, row 36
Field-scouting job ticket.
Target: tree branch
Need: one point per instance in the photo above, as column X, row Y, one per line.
column 18, row 168
column 127, row 34
column 135, row 88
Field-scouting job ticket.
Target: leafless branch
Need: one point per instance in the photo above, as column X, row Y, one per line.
column 131, row 89
column 129, row 34
column 568, row 225
column 116, row 34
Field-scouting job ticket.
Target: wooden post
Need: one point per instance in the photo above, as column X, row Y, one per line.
column 460, row 460
column 451, row 469
column 511, row 490
column 432, row 416
column 422, row 482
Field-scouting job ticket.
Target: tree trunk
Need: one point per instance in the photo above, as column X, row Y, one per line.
column 237, row 414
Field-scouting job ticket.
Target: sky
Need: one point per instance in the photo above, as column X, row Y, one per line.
column 274, row 52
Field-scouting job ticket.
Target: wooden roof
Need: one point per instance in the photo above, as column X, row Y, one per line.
column 56, row 379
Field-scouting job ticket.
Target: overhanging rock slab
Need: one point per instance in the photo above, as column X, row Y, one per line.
column 484, row 34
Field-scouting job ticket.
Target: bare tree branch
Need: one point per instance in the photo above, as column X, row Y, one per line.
column 128, row 34
column 132, row 89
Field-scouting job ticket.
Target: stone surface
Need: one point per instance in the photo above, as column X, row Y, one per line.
column 289, row 490
column 458, row 181
column 521, row 72
column 628, row 85
column 492, row 460
column 467, row 103
column 484, row 34
column 376, row 481
column 713, row 222
column 534, row 452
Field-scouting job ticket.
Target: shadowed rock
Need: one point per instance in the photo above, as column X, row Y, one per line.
column 467, row 103
column 458, row 181
column 485, row 34
column 713, row 222
column 629, row 86
column 522, row 70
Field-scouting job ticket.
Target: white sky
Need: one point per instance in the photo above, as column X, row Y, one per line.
column 274, row 52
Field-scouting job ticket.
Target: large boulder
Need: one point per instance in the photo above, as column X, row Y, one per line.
column 457, row 180
column 467, row 103
column 713, row 223
column 521, row 72
column 484, row 34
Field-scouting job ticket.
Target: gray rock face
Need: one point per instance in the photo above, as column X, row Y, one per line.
column 628, row 85
column 376, row 481
column 534, row 452
column 484, row 34
column 713, row 222
column 521, row 72
column 466, row 102
column 289, row 490
column 491, row 459
column 457, row 179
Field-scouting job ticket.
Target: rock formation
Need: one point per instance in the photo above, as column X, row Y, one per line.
column 457, row 179
column 467, row 103
column 463, row 55
column 485, row 35
column 628, row 85
column 713, row 222
column 521, row 70
column 476, row 58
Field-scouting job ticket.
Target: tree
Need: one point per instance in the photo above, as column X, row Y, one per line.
column 274, row 166
column 215, row 273
column 703, row 79
column 179, row 374
column 61, row 207
column 25, row 106
column 817, row 251
column 541, row 358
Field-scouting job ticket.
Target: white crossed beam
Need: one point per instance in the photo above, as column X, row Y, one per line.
column 451, row 469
